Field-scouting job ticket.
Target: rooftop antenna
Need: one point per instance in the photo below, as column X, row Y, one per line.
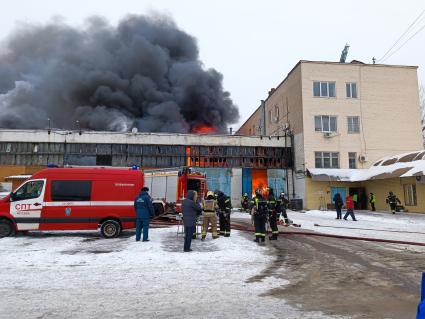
column 50, row 126
column 344, row 54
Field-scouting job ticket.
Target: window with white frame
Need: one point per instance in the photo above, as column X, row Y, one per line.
column 351, row 90
column 410, row 195
column 326, row 159
column 324, row 89
column 352, row 160
column 270, row 116
column 353, row 124
column 325, row 123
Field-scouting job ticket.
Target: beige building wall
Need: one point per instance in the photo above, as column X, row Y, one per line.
column 319, row 192
column 252, row 125
column 387, row 105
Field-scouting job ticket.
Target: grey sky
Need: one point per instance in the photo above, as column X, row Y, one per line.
column 256, row 43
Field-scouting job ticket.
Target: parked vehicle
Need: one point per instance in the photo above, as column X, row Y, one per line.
column 73, row 199
column 4, row 194
column 168, row 187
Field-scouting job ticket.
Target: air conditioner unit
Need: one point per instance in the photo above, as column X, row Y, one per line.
column 362, row 158
column 329, row 134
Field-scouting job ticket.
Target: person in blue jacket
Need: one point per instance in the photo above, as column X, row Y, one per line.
column 144, row 211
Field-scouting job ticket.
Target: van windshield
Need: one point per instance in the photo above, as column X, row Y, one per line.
column 31, row 189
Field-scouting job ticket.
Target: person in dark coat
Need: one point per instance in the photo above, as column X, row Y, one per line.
column 349, row 203
column 281, row 204
column 271, row 205
column 190, row 210
column 392, row 201
column 225, row 208
column 372, row 201
column 144, row 211
column 338, row 205
column 259, row 212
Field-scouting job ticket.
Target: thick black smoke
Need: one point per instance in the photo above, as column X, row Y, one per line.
column 144, row 73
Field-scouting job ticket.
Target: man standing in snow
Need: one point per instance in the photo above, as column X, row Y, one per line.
column 225, row 207
column 392, row 201
column 209, row 206
column 271, row 205
column 338, row 205
column 355, row 198
column 144, row 211
column 372, row 201
column 349, row 204
column 190, row 210
column 259, row 211
column 281, row 204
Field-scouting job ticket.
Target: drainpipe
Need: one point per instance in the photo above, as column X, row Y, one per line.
column 263, row 128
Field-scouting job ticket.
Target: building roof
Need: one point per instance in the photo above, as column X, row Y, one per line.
column 98, row 137
column 403, row 165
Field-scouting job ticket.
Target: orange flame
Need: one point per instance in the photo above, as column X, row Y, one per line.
column 203, row 129
column 259, row 180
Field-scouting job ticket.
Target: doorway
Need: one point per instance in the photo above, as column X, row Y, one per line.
column 360, row 192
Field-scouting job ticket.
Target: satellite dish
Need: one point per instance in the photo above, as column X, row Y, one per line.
column 134, row 130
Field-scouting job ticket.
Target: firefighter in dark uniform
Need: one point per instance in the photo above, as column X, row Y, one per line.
column 392, row 201
column 271, row 205
column 245, row 201
column 281, row 204
column 225, row 207
column 259, row 212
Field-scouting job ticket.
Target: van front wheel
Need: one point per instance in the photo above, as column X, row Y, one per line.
column 110, row 228
column 6, row 228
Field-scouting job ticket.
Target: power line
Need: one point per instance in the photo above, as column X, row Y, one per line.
column 404, row 43
column 404, row 33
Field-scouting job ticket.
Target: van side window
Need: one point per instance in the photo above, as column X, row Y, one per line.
column 32, row 189
column 71, row 191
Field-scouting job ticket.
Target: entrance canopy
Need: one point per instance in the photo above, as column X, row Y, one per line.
column 403, row 165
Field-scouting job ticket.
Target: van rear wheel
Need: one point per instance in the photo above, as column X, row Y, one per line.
column 6, row 228
column 110, row 228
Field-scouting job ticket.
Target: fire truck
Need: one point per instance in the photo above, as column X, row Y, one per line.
column 73, row 199
column 168, row 187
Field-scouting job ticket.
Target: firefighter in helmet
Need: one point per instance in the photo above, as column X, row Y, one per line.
column 245, row 202
column 259, row 212
column 281, row 205
column 225, row 207
column 271, row 205
column 209, row 206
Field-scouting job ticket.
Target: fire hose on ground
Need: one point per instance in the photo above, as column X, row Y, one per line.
column 303, row 233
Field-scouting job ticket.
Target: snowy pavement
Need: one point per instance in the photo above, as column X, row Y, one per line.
column 402, row 226
column 79, row 275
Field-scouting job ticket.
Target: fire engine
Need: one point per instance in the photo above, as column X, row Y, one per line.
column 168, row 187
column 73, row 199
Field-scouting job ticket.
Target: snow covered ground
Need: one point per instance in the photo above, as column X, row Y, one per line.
column 401, row 226
column 79, row 275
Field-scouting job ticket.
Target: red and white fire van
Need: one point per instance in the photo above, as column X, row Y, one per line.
column 73, row 199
